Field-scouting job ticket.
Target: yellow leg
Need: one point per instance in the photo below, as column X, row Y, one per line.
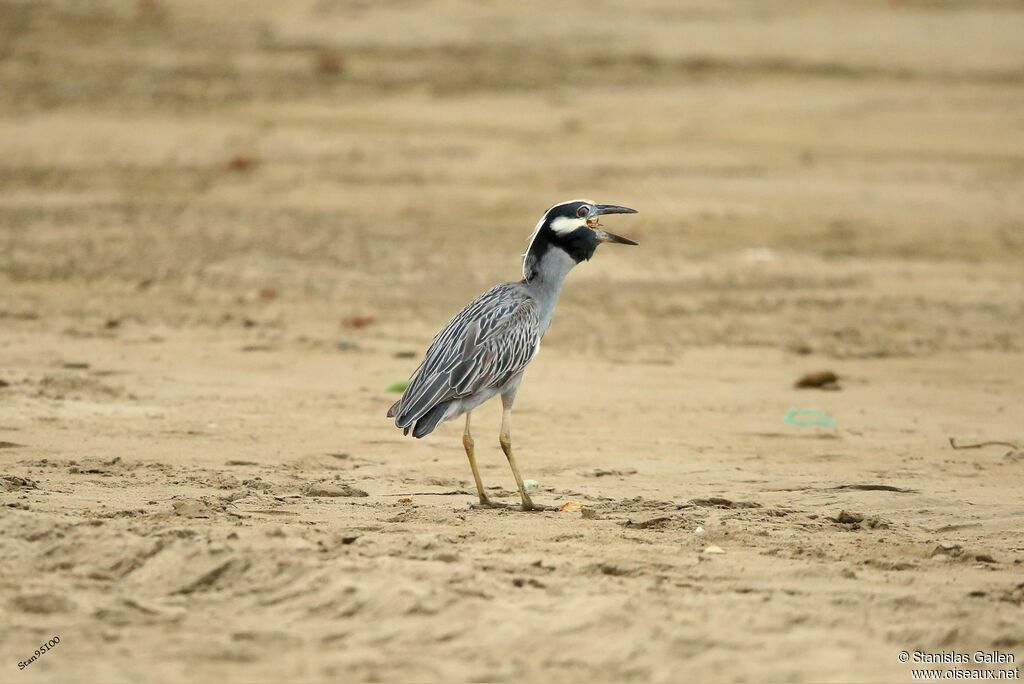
column 506, row 445
column 467, row 442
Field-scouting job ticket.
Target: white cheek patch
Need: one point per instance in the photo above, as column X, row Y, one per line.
column 564, row 224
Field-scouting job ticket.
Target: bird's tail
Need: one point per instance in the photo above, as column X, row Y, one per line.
column 430, row 420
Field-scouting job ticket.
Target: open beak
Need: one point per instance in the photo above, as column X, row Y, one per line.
column 603, row 235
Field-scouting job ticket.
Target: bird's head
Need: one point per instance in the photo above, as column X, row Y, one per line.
column 572, row 228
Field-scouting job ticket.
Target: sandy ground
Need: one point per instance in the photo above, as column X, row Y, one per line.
column 226, row 228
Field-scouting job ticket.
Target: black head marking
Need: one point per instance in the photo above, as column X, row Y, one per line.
column 579, row 243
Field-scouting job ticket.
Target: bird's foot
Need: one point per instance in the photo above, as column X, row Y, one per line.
column 487, row 503
column 530, row 507
column 526, row 507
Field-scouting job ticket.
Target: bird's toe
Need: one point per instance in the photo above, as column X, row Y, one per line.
column 487, row 503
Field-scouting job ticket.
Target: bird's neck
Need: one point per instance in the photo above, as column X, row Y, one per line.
column 548, row 274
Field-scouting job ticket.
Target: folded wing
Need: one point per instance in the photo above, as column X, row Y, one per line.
column 481, row 347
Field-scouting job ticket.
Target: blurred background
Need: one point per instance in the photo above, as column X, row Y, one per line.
column 843, row 177
column 227, row 228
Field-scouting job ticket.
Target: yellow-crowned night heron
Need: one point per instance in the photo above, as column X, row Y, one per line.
column 485, row 348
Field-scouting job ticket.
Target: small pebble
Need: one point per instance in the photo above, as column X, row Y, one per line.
column 826, row 380
column 948, row 550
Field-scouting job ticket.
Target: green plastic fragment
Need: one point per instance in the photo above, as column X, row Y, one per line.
column 808, row 418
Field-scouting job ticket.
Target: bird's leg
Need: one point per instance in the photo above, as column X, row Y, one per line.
column 467, row 442
column 506, row 445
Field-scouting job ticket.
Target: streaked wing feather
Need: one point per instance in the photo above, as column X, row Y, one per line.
column 481, row 347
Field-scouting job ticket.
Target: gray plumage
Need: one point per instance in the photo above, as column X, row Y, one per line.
column 482, row 348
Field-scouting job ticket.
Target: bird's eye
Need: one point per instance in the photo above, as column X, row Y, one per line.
column 583, row 211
